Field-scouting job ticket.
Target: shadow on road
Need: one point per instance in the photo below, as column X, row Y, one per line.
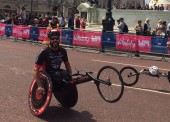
column 61, row 114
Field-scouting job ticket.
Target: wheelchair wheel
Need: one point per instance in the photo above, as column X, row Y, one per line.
column 39, row 103
column 127, row 77
column 113, row 91
column 67, row 96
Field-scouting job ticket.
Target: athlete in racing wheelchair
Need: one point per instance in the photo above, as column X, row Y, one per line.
column 47, row 73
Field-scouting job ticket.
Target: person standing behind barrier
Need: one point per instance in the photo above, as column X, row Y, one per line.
column 160, row 29
column 139, row 31
column 147, row 27
column 121, row 25
column 83, row 23
column 23, row 16
column 71, row 22
column 138, row 28
column 61, row 21
column 168, row 30
column 77, row 22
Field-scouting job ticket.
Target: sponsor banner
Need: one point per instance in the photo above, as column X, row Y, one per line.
column 14, row 31
column 133, row 42
column 2, row 29
column 144, row 43
column 34, row 33
column 25, row 32
column 126, row 42
column 8, row 30
column 89, row 39
column 67, row 37
column 21, row 32
column 159, row 45
column 108, row 40
column 42, row 34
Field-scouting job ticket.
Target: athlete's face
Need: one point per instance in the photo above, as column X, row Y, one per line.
column 54, row 43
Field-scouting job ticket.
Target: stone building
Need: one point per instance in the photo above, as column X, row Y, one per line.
column 56, row 6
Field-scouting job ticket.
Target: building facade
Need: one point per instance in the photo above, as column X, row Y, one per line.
column 66, row 7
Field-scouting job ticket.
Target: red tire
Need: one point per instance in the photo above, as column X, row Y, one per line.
column 39, row 103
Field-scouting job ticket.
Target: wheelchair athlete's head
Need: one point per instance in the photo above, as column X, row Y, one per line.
column 54, row 37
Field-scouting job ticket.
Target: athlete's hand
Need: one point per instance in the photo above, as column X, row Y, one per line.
column 40, row 90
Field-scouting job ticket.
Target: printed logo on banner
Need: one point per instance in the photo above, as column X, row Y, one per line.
column 144, row 43
column 2, row 29
column 126, row 42
column 159, row 45
column 90, row 39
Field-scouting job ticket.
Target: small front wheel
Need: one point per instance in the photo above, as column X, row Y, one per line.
column 130, row 75
column 111, row 87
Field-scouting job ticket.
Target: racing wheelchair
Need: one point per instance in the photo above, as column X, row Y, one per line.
column 109, row 84
column 130, row 75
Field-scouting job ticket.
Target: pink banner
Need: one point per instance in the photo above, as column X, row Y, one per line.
column 21, row 32
column 89, row 39
column 133, row 42
column 144, row 43
column 126, row 42
column 42, row 34
column 2, row 29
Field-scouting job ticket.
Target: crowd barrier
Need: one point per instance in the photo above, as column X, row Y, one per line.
column 103, row 41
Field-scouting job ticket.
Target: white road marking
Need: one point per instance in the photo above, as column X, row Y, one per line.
column 125, row 64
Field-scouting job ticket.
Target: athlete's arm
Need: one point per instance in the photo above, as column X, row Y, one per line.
column 36, row 76
column 68, row 67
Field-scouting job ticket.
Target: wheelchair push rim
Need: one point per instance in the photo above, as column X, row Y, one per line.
column 39, row 103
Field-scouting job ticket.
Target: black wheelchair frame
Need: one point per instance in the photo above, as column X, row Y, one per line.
column 130, row 75
column 67, row 96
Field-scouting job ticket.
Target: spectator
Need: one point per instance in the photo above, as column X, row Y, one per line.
column 160, row 29
column 61, row 21
column 147, row 27
column 77, row 22
column 168, row 30
column 71, row 22
column 83, row 23
column 23, row 15
column 121, row 25
column 138, row 28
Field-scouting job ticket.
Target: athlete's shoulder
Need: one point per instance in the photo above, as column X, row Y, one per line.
column 61, row 48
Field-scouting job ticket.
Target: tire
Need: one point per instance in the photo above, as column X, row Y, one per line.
column 127, row 79
column 115, row 89
column 67, row 96
column 39, row 103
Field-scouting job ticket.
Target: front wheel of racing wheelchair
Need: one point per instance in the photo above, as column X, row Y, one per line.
column 67, row 95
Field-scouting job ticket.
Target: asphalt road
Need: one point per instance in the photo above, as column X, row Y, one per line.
column 147, row 101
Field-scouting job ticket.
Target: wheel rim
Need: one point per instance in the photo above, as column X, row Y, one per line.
column 113, row 91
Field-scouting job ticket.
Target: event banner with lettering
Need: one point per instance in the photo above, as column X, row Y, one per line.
column 133, row 42
column 126, row 42
column 21, row 32
column 159, row 45
column 2, row 29
column 144, row 43
column 67, row 37
column 88, row 39
column 109, row 40
column 8, row 30
column 42, row 34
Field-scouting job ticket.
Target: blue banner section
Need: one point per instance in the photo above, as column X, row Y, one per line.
column 34, row 32
column 158, row 45
column 8, row 30
column 67, row 37
column 108, row 40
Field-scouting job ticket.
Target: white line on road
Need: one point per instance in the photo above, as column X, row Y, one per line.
column 124, row 64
